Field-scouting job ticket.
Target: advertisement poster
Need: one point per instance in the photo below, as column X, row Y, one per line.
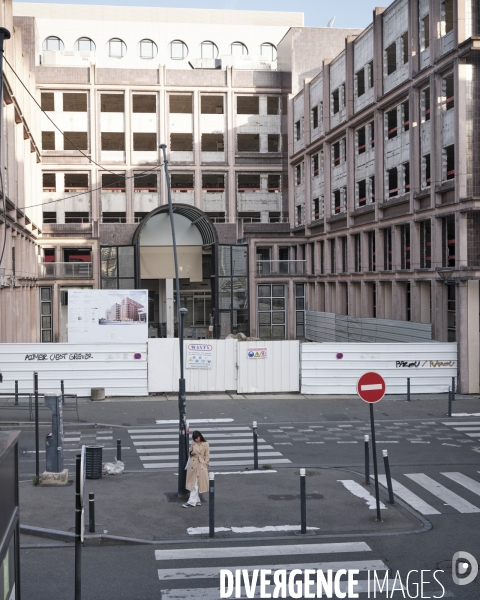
column 199, row 356
column 105, row 316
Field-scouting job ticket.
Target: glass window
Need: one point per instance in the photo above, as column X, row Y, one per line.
column 116, row 48
column 208, row 50
column 46, row 327
column 271, row 311
column 239, row 49
column 85, row 44
column 268, row 51
column 147, row 49
column 178, row 50
column 53, row 43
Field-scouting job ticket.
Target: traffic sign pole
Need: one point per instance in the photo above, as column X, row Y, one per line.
column 78, row 524
column 375, row 466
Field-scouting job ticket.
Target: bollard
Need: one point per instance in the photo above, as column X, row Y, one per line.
column 37, row 438
column 453, row 389
column 16, row 393
column 449, row 402
column 391, row 499
column 211, row 506
column 62, row 389
column 78, row 529
column 91, row 512
column 119, row 449
column 303, row 502
column 367, row 460
column 255, row 446
column 408, row 389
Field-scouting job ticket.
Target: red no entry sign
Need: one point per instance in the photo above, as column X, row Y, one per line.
column 371, row 387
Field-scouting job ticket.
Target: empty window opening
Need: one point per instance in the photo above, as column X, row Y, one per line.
column 361, row 140
column 53, row 43
column 143, row 103
column 391, row 58
column 358, row 252
column 344, row 254
column 336, row 153
column 405, row 107
column 50, row 217
column 387, row 249
column 74, row 102
column 405, row 48
column 181, row 104
column 144, row 142
column 298, row 174
column 248, row 182
column 315, row 164
column 298, row 130
column 336, row 101
column 48, row 140
column 425, row 104
column 372, row 261
column 208, row 50
column 360, row 83
column 76, row 182
column 337, row 201
column 178, row 50
column 273, row 182
column 268, row 51
column 315, row 117
column 116, row 48
column 408, row 301
column 238, row 49
column 248, row 105
column 448, row 239
column 406, row 176
column 316, row 209
column 248, row 142
column 212, row 142
column 113, row 182
column 447, row 16
column 273, row 142
column 372, row 188
column 112, row 103
column 405, row 246
column 372, row 134
column 370, row 74
column 425, row 245
column 299, row 215
column 49, row 182
column 77, row 140
column 392, row 177
column 113, row 141
column 139, row 216
column 47, row 101
column 213, row 183
column 147, row 49
column 181, row 142
column 181, row 182
column 425, row 32
column 426, row 177
column 451, row 313
column 449, row 162
column 448, row 91
column 114, row 217
column 77, row 255
column 362, row 192
column 333, row 256
column 392, row 123
column 273, row 105
column 211, row 105
column 77, row 217
column 145, row 183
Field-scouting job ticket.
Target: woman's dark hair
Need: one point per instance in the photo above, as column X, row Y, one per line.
column 197, row 434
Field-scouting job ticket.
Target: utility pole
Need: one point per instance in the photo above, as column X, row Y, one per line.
column 181, row 312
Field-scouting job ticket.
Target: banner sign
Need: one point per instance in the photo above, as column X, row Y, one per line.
column 199, row 356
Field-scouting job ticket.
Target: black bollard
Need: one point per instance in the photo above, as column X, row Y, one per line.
column 255, row 446
column 62, row 389
column 449, row 402
column 119, row 449
column 391, row 499
column 16, row 392
column 91, row 512
column 367, row 460
column 78, row 529
column 453, row 389
column 211, row 506
column 408, row 389
column 303, row 502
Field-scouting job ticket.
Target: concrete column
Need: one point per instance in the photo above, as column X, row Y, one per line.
column 197, row 141
column 169, row 310
column 468, row 338
column 425, row 300
column 60, row 182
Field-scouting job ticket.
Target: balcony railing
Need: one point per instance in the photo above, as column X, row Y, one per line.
column 281, row 267
column 65, row 270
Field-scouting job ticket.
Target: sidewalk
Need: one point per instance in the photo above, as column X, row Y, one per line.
column 145, row 506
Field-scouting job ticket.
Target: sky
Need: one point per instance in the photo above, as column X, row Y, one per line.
column 347, row 13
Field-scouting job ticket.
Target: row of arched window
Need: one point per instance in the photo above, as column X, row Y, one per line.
column 147, row 49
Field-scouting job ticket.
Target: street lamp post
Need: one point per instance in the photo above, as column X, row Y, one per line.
column 181, row 312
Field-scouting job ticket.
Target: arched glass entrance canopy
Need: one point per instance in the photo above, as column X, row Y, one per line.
column 213, row 277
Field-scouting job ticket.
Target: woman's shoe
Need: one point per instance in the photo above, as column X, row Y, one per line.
column 199, row 504
column 187, row 505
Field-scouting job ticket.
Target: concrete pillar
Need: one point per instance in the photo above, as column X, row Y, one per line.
column 169, row 308
column 425, row 301
column 388, row 300
column 467, row 313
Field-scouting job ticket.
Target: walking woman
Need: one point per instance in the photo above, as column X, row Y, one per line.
column 197, row 470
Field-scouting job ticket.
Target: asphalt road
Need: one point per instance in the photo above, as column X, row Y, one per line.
column 434, row 463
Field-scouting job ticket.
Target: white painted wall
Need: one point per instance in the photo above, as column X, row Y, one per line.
column 432, row 367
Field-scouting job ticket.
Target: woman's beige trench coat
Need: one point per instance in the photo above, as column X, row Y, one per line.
column 198, row 467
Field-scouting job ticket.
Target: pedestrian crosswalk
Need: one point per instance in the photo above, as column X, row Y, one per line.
column 229, row 446
column 469, row 428
column 178, row 567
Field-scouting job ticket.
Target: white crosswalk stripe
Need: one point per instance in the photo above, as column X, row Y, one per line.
column 469, row 428
column 184, row 572
column 449, row 497
column 409, row 497
column 229, row 447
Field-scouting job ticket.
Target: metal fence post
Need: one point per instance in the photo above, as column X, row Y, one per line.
column 16, row 392
column 408, row 389
column 211, row 506
column 449, row 402
column 62, row 389
column 391, row 499
column 453, row 389
column 303, row 502
column 119, row 449
column 37, row 434
column 255, row 446
column 91, row 512
column 367, row 460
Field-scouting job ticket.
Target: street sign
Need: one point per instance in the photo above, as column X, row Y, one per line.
column 371, row 387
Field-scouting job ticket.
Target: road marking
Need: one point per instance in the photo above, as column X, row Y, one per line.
column 474, row 435
column 241, row 455
column 467, row 428
column 282, row 550
column 371, row 386
column 220, row 463
column 203, row 530
column 453, row 445
column 175, row 436
column 467, row 482
column 410, row 498
column 347, row 442
column 357, row 490
column 171, row 430
column 224, row 441
column 164, row 422
column 263, row 471
column 440, row 491
column 214, row 572
column 465, row 415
